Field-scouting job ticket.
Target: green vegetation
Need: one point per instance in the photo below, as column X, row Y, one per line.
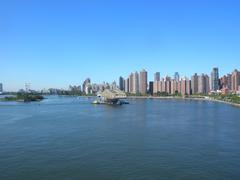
column 132, row 94
column 232, row 98
column 25, row 97
column 164, row 94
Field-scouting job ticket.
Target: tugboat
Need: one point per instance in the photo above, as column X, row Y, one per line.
column 112, row 97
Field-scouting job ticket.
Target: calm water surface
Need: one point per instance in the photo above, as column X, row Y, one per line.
column 69, row 138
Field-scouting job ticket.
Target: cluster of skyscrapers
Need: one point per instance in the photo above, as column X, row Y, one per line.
column 137, row 83
column 93, row 88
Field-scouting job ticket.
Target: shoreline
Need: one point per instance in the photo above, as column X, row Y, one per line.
column 209, row 99
column 184, row 98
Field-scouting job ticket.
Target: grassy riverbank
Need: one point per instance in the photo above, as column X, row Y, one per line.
column 228, row 99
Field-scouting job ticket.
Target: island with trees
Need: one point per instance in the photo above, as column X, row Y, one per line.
column 24, row 97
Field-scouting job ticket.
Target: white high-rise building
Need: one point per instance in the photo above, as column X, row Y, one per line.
column 126, row 86
column 135, row 83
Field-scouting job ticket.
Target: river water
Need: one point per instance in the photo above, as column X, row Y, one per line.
column 69, row 138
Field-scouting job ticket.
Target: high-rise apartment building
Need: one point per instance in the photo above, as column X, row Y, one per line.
column 150, row 87
column 168, row 86
column 188, row 87
column 143, row 82
column 207, row 81
column 156, row 87
column 223, row 82
column 194, row 83
column 229, row 81
column 126, row 86
column 157, row 76
column 135, row 83
column 121, row 83
column 203, row 84
column 235, row 80
column 185, row 86
column 214, row 80
column 174, row 87
column 131, row 83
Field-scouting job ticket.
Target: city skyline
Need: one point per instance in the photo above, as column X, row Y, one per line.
column 51, row 44
column 138, row 82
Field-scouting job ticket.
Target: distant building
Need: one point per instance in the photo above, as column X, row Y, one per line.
column 151, row 87
column 174, row 87
column 168, row 86
column 52, row 91
column 75, row 88
column 113, row 86
column 235, row 80
column 121, row 83
column 85, row 86
column 229, row 81
column 45, row 91
column 157, row 76
column 203, row 84
column 179, row 87
column 135, row 83
column 185, row 86
column 194, row 83
column 95, row 88
column 188, row 87
column 1, row 88
column 176, row 77
column 163, row 86
column 143, row 82
column 88, row 89
column 224, row 91
column 27, row 87
column 226, row 82
column 131, row 83
column 223, row 82
column 214, row 80
column 167, row 78
column 126, row 86
column 156, row 87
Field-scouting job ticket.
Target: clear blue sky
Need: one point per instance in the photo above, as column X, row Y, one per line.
column 54, row 43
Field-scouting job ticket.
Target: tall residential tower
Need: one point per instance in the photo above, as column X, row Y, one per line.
column 235, row 80
column 157, row 76
column 121, row 83
column 143, row 82
column 214, row 80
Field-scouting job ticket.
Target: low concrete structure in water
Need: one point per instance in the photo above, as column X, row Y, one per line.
column 111, row 97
